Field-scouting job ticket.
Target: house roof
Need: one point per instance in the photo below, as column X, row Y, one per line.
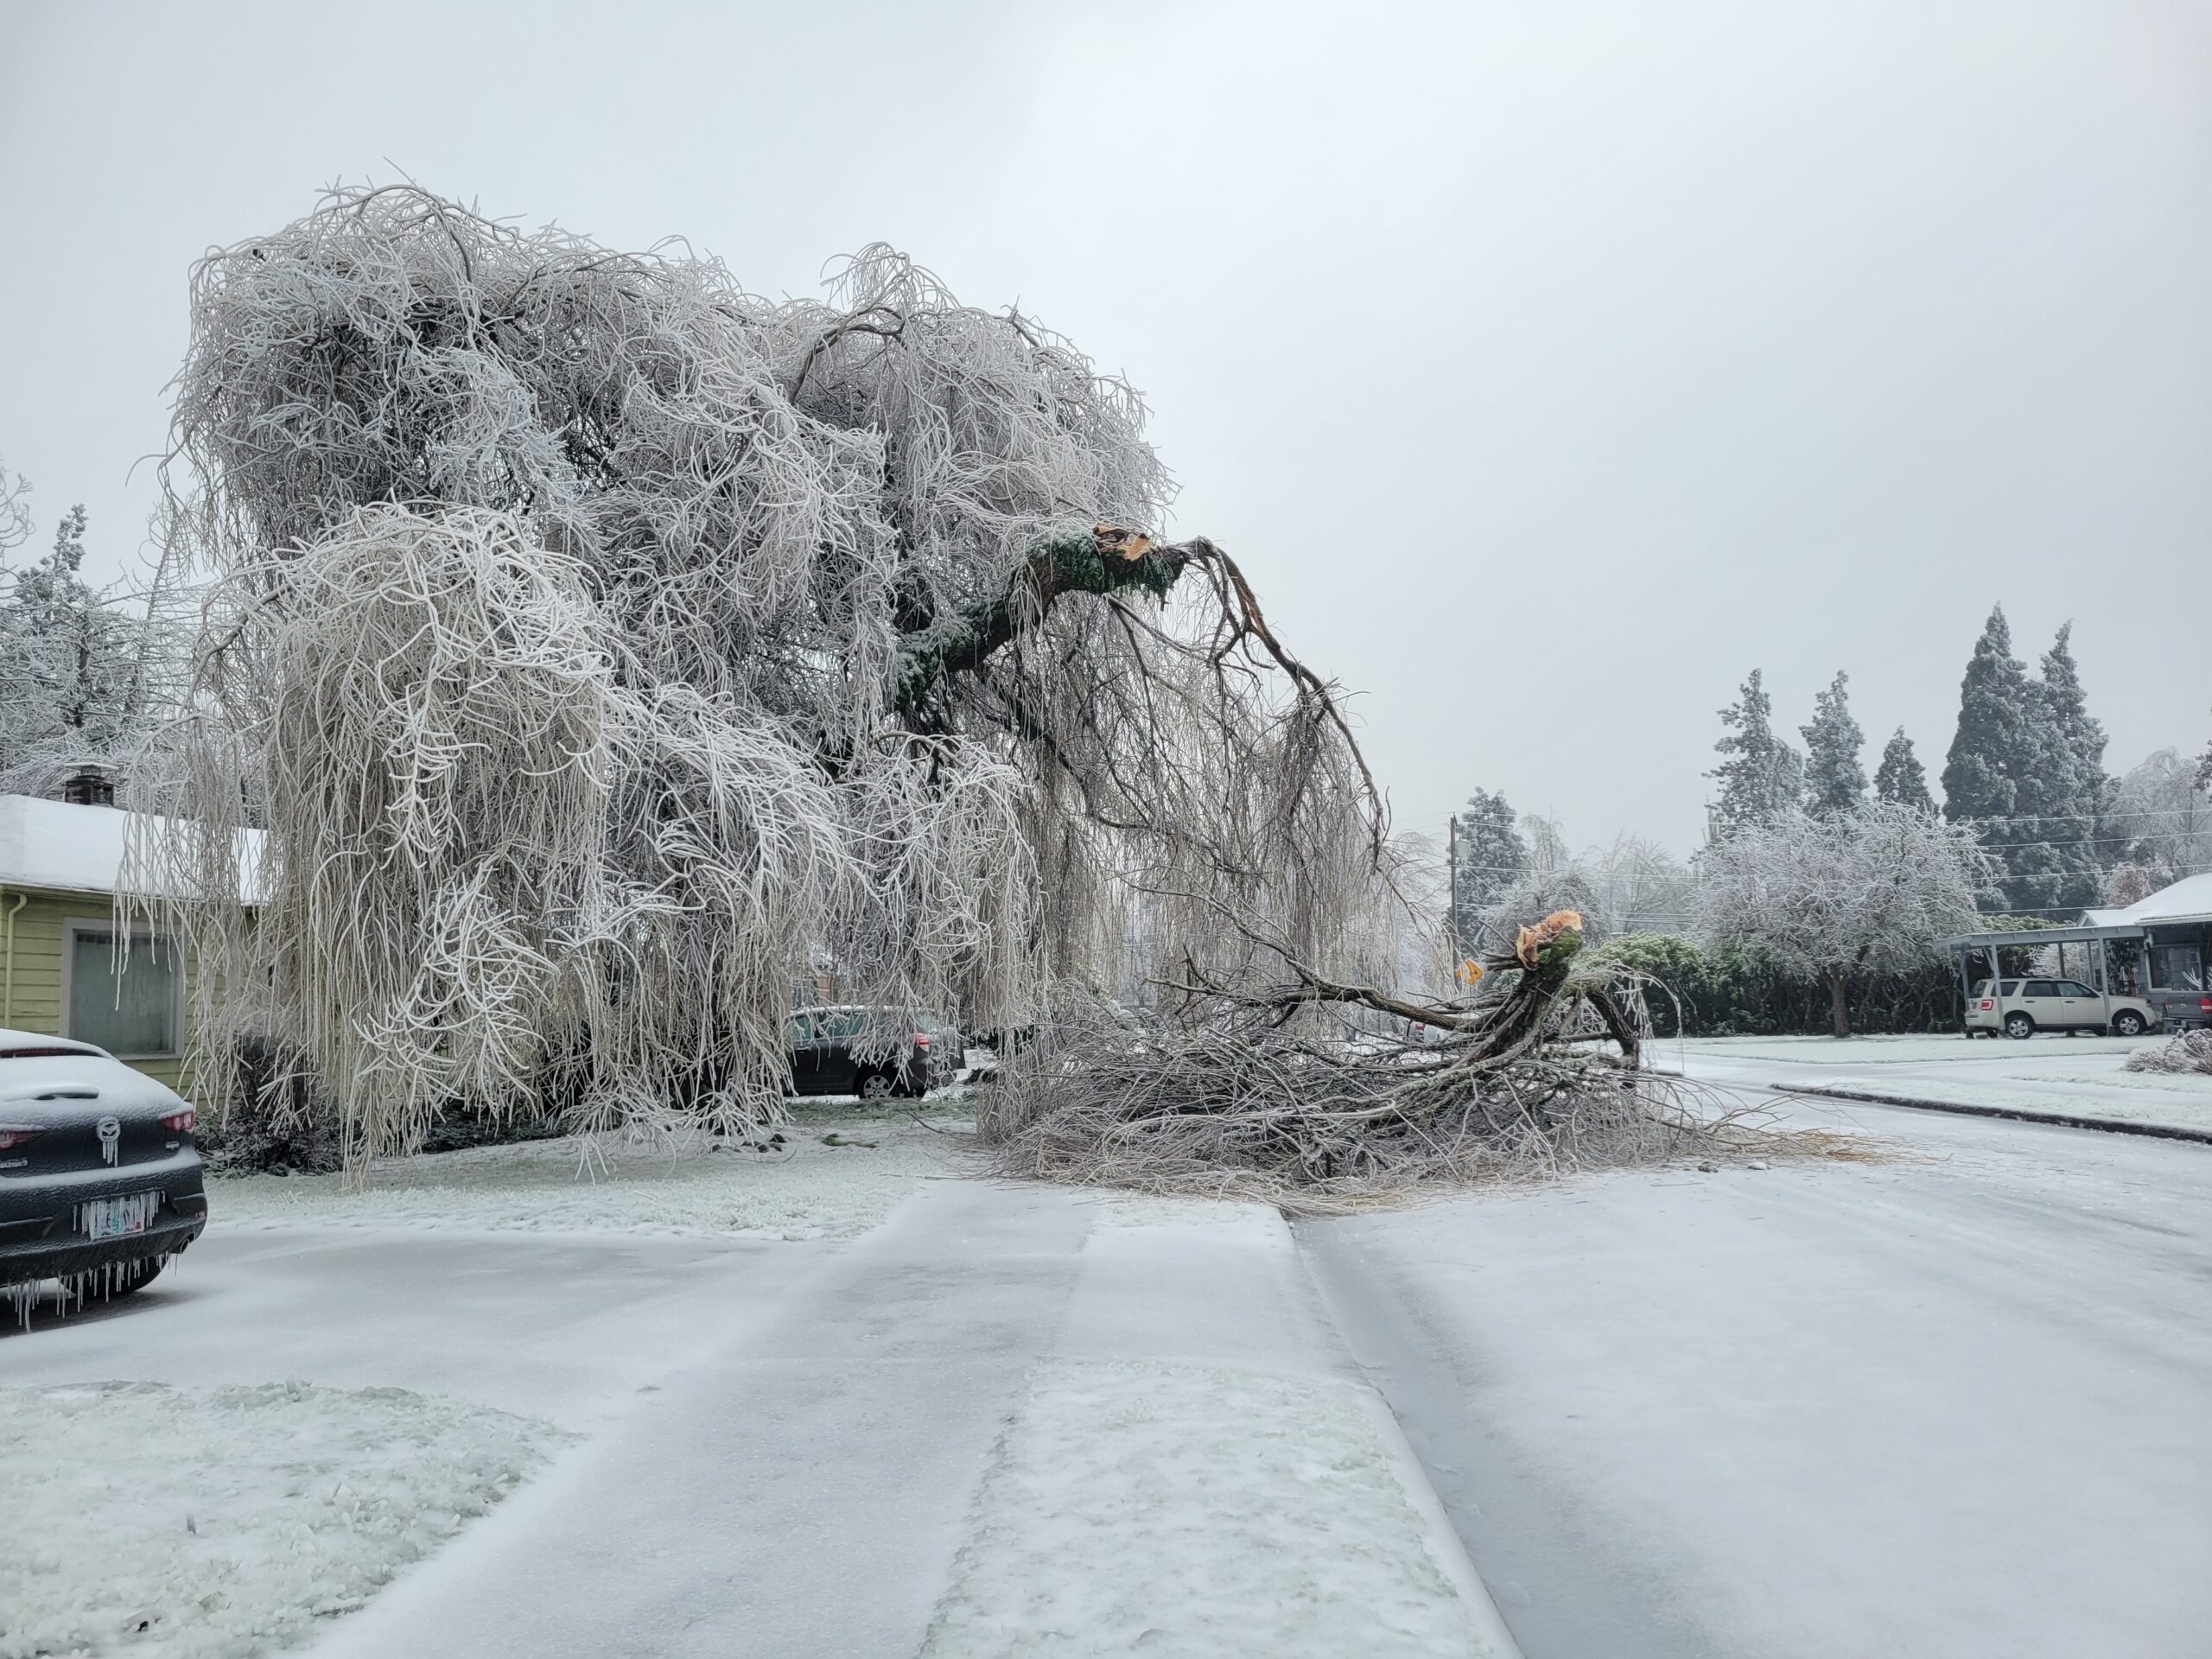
column 80, row 848
column 2189, row 900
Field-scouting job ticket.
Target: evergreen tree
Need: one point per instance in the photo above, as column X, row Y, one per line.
column 1835, row 784
column 1489, row 856
column 1990, row 774
column 2072, row 792
column 1994, row 748
column 2204, row 770
column 1901, row 779
column 1760, row 775
column 2027, row 768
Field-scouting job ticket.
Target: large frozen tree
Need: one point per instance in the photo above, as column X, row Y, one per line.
column 1833, row 899
column 602, row 648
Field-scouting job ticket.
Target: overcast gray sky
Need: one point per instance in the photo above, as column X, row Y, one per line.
column 1548, row 365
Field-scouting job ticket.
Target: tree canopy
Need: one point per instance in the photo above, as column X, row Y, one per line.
column 604, row 649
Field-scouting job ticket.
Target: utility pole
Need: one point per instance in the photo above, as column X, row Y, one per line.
column 1458, row 948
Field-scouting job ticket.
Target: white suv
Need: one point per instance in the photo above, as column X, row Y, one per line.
column 2021, row 1008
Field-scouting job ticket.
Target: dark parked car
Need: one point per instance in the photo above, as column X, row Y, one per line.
column 99, row 1182
column 871, row 1053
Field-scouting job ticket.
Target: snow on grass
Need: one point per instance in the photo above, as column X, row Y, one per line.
column 1151, row 1508
column 2184, row 1083
column 219, row 1523
column 2178, row 1108
column 1917, row 1050
column 833, row 1176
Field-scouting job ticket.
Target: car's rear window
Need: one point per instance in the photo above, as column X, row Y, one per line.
column 46, row 1052
column 1981, row 988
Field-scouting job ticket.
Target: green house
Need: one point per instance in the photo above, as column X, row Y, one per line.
column 62, row 972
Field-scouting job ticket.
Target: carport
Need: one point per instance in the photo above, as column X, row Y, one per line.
column 2158, row 948
column 2107, row 956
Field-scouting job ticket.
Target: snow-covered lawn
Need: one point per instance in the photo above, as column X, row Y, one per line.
column 1194, row 1512
column 219, row 1523
column 2188, row 1108
column 834, row 1176
column 1894, row 1051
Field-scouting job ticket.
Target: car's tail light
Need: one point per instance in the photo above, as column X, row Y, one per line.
column 14, row 1135
column 179, row 1122
column 2204, row 1005
column 1987, row 1003
column 921, row 1039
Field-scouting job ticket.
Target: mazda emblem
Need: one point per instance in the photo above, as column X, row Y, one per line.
column 110, row 1131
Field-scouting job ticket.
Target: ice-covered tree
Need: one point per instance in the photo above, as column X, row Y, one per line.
column 1491, row 855
column 73, row 687
column 15, row 510
column 1760, row 775
column 2073, row 790
column 1834, row 781
column 2160, row 818
column 2127, row 883
column 2026, row 766
column 1834, row 899
column 2076, row 736
column 1994, row 750
column 1638, row 886
column 1901, row 779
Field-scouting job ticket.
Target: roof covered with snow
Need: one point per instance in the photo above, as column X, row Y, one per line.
column 2189, row 900
column 80, row 848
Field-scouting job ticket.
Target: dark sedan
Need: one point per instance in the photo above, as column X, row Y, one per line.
column 871, row 1053
column 99, row 1182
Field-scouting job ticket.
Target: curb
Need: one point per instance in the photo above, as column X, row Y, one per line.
column 2066, row 1119
column 1445, row 1548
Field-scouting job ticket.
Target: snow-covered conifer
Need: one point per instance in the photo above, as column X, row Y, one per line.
column 1491, row 857
column 1834, row 781
column 1901, row 779
column 1760, row 775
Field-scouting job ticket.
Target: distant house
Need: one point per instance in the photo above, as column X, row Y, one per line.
column 2175, row 926
column 60, row 972
column 2158, row 948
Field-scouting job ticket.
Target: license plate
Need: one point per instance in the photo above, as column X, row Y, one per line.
column 117, row 1218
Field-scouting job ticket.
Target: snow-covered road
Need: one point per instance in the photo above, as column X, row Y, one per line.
column 1957, row 1404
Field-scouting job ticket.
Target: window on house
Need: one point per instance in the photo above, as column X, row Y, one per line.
column 133, row 1011
column 2176, row 968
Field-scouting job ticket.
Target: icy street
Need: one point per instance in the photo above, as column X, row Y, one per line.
column 1951, row 1404
column 1955, row 1404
